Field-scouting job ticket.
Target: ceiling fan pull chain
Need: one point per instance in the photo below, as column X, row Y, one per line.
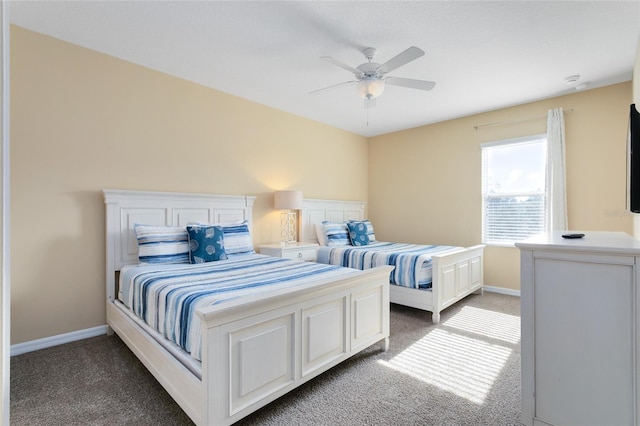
column 368, row 104
column 365, row 107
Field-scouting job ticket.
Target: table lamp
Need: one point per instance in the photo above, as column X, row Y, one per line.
column 288, row 202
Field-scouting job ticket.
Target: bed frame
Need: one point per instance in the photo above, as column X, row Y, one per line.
column 455, row 275
column 256, row 349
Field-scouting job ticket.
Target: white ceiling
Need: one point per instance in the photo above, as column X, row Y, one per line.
column 483, row 55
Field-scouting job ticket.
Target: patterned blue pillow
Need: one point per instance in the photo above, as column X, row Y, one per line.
column 162, row 244
column 337, row 234
column 358, row 233
column 237, row 239
column 370, row 233
column 205, row 244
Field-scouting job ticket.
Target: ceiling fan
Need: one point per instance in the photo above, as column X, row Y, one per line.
column 371, row 77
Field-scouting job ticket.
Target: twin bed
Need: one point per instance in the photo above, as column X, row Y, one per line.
column 252, row 327
column 438, row 277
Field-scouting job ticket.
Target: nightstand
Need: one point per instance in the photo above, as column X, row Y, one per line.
column 296, row 251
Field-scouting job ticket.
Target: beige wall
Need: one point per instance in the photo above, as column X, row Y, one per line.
column 425, row 182
column 82, row 121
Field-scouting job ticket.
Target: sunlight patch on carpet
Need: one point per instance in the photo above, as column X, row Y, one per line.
column 450, row 358
column 464, row 366
column 495, row 325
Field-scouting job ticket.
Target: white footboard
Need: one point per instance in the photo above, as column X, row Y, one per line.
column 258, row 350
column 455, row 276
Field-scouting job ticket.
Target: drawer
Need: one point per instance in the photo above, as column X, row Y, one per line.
column 307, row 253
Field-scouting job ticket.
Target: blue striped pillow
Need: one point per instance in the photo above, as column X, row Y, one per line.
column 369, row 225
column 337, row 234
column 237, row 238
column 162, row 244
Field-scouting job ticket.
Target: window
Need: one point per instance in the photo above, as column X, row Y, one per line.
column 514, row 195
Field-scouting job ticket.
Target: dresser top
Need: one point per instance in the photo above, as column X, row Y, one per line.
column 600, row 241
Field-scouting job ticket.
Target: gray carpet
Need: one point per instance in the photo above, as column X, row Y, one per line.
column 464, row 371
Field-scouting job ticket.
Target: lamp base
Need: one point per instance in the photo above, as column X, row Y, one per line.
column 288, row 228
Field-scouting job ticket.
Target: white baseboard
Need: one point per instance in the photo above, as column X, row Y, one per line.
column 47, row 342
column 501, row 290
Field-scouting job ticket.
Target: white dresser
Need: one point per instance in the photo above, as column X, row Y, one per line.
column 580, row 329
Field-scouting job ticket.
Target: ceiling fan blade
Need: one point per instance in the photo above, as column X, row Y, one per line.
column 335, row 86
column 329, row 59
column 399, row 60
column 410, row 83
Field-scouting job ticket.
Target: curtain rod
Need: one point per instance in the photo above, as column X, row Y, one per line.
column 499, row 123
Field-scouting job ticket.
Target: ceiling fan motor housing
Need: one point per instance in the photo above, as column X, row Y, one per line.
column 370, row 69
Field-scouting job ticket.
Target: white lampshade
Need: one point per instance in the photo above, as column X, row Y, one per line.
column 287, row 200
column 370, row 88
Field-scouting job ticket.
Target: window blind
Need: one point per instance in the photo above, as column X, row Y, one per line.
column 513, row 190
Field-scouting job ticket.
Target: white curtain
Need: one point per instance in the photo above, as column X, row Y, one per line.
column 556, row 182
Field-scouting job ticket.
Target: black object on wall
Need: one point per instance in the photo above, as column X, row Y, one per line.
column 634, row 160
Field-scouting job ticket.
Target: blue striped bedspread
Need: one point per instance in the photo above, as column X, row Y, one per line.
column 412, row 261
column 167, row 296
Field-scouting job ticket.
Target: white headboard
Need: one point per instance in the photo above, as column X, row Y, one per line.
column 315, row 211
column 125, row 208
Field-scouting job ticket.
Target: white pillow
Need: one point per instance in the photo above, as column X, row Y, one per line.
column 321, row 234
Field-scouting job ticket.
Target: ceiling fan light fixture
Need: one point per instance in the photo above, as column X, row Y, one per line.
column 370, row 87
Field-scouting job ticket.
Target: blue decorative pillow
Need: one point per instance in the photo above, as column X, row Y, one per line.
column 358, row 233
column 162, row 244
column 370, row 233
column 337, row 234
column 205, row 244
column 237, row 238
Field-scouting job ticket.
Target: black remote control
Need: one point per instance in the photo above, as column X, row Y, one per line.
column 572, row 236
